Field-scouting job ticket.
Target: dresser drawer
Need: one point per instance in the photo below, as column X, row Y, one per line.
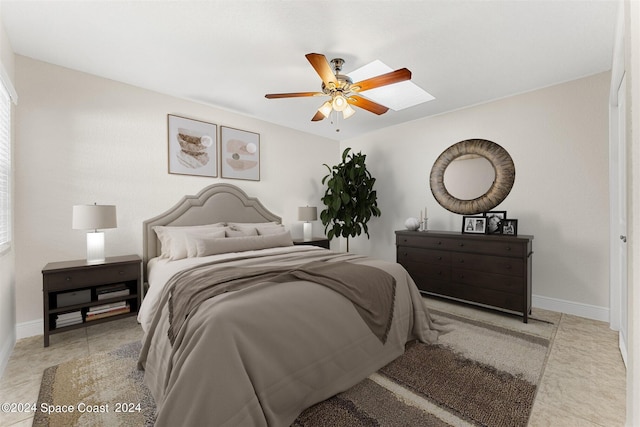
column 64, row 280
column 420, row 272
column 425, row 241
column 495, row 247
column 488, row 264
column 498, row 282
column 490, row 297
column 429, row 256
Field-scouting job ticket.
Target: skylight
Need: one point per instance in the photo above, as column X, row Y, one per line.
column 397, row 96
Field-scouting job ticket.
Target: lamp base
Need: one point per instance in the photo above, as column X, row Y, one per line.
column 307, row 231
column 95, row 247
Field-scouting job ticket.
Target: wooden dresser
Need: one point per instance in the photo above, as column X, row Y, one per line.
column 490, row 270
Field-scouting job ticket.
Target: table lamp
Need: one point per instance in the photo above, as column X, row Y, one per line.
column 94, row 217
column 307, row 214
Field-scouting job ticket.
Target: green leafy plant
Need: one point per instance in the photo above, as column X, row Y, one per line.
column 350, row 199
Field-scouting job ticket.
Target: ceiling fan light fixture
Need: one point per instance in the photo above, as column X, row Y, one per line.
column 348, row 112
column 339, row 102
column 325, row 109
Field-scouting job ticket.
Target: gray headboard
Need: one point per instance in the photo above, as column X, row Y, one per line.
column 215, row 203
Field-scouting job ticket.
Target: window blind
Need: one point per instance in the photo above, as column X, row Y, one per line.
column 5, row 168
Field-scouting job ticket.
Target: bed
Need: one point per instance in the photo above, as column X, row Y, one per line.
column 284, row 327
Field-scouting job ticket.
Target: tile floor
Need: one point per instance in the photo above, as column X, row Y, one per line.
column 583, row 383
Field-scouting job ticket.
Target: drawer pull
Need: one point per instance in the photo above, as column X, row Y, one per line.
column 68, row 279
column 461, row 244
column 439, row 258
column 439, row 242
column 508, row 248
column 461, row 260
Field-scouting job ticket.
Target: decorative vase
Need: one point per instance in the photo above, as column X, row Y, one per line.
column 412, row 224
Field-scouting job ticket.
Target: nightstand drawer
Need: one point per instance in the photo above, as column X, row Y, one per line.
column 64, row 280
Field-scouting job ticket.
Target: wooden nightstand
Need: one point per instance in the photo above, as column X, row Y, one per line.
column 72, row 289
column 322, row 242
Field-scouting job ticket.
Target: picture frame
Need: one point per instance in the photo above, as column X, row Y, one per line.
column 494, row 219
column 474, row 224
column 192, row 146
column 239, row 154
column 510, row 227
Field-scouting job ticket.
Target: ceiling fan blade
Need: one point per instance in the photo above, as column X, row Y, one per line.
column 318, row 116
column 321, row 65
column 367, row 104
column 382, row 80
column 292, row 95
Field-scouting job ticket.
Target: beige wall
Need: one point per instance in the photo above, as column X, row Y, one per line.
column 83, row 139
column 558, row 139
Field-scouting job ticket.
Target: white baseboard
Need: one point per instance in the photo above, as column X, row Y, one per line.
column 569, row 307
column 5, row 352
column 30, row 328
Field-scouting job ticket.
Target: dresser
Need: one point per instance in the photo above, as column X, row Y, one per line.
column 489, row 270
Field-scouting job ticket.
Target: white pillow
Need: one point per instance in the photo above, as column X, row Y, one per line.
column 261, row 227
column 216, row 246
column 275, row 229
column 191, row 238
column 235, row 231
column 172, row 238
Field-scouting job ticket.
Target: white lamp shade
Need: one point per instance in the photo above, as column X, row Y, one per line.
column 325, row 109
column 339, row 103
column 348, row 112
column 94, row 217
column 307, row 213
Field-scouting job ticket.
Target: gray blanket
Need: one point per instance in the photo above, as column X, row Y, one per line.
column 260, row 355
column 370, row 289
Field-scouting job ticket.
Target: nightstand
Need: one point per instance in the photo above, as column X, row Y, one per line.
column 78, row 294
column 322, row 242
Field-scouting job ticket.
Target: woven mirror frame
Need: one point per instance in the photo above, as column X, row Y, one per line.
column 503, row 166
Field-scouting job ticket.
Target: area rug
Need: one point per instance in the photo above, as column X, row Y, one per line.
column 477, row 374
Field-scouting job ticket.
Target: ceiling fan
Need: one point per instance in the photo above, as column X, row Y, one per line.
column 343, row 92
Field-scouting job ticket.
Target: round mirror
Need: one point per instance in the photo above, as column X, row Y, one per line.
column 469, row 177
column 462, row 191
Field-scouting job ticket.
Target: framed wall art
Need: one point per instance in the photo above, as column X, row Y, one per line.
column 474, row 224
column 494, row 221
column 239, row 154
column 193, row 147
column 510, row 227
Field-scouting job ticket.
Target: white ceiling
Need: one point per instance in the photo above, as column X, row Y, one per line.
column 231, row 53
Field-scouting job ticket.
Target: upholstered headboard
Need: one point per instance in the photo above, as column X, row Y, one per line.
column 215, row 203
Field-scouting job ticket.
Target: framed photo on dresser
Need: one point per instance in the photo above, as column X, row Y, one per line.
column 494, row 220
column 474, row 224
column 510, row 227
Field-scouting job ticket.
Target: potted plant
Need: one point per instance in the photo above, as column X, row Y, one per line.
column 350, row 199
